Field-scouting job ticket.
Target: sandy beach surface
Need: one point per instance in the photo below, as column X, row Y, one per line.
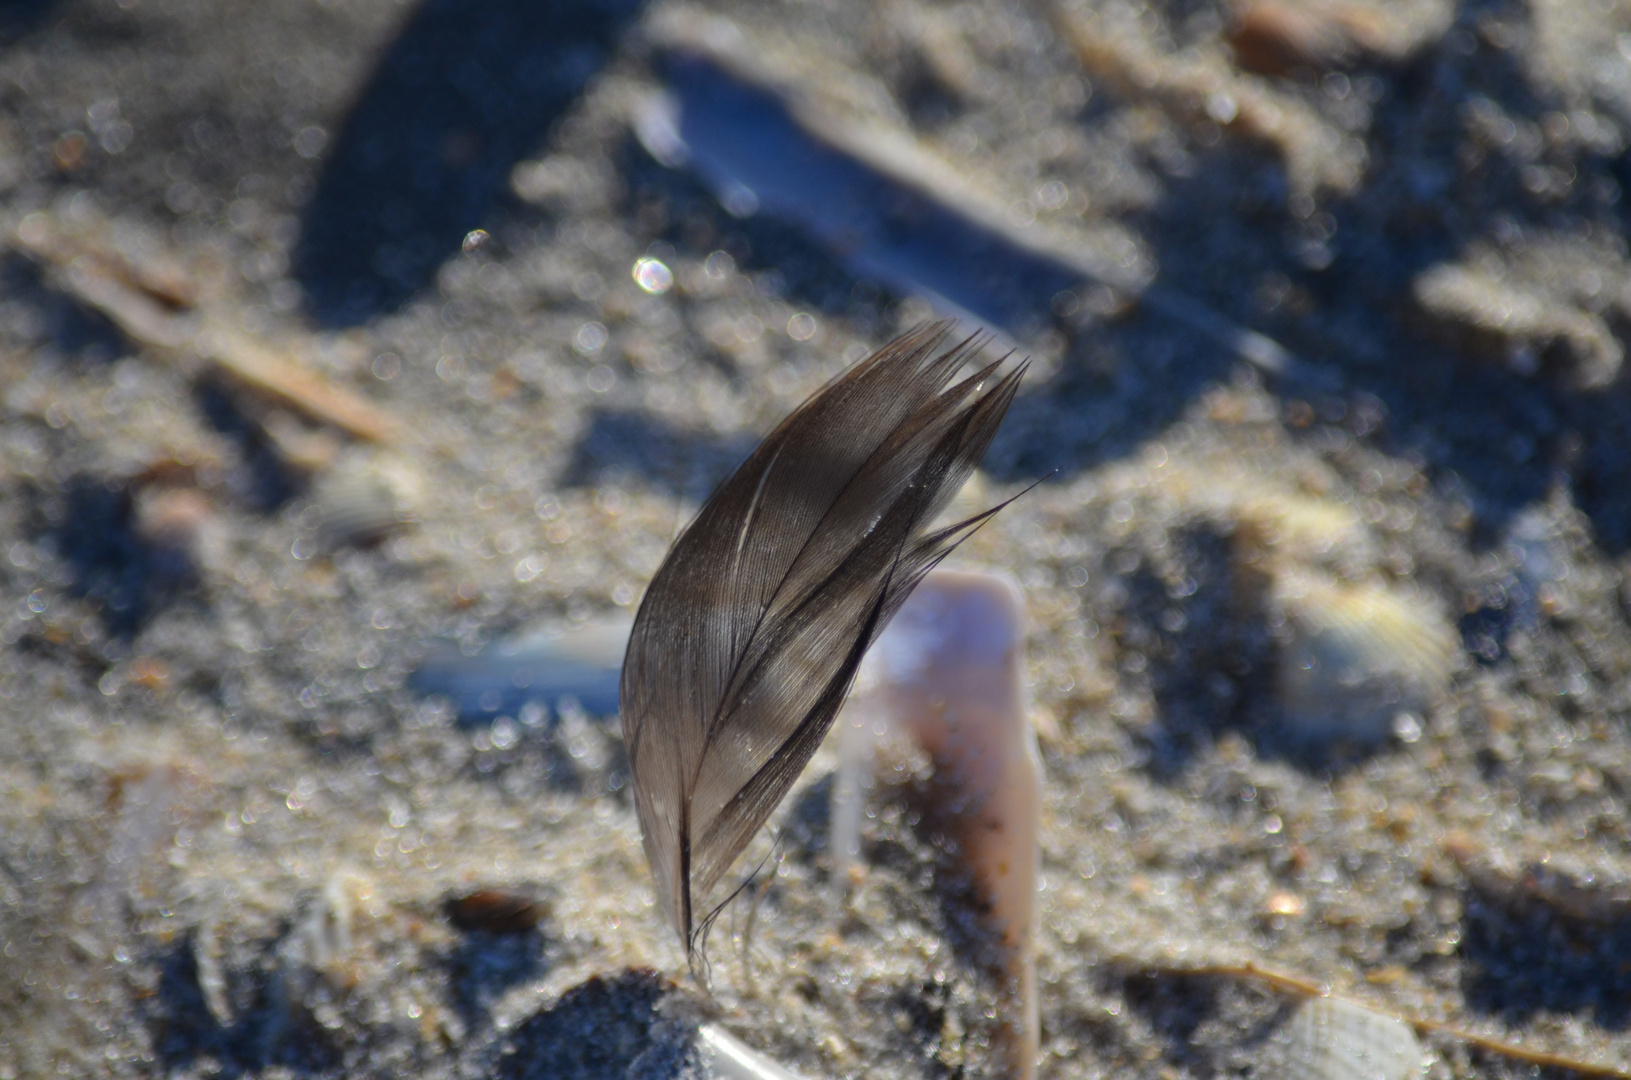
column 359, row 360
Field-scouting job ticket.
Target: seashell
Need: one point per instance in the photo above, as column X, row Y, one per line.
column 497, row 911
column 548, row 664
column 356, row 514
column 884, row 203
column 725, row 1057
column 947, row 673
column 1299, row 526
column 1356, row 661
column 356, row 504
column 1332, row 1039
column 207, row 962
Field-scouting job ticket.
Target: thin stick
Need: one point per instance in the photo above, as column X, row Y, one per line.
column 1516, row 1052
column 1293, row 986
column 1290, row 985
column 281, row 378
column 111, row 285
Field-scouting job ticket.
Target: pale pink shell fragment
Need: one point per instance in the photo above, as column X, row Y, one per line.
column 947, row 673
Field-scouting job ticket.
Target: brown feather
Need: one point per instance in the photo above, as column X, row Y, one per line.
column 749, row 635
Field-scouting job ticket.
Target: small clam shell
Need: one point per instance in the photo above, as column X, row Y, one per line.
column 1332, row 1039
column 1355, row 659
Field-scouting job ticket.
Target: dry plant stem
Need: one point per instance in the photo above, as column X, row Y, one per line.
column 111, row 285
column 1293, row 986
column 280, row 377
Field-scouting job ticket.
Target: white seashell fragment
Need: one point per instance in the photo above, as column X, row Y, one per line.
column 1333, row 1039
column 212, row 981
column 725, row 1057
column 313, row 960
column 1358, row 661
column 947, row 674
column 547, row 664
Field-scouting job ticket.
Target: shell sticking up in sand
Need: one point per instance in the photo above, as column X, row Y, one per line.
column 948, row 675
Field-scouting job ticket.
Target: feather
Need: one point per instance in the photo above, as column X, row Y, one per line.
column 749, row 636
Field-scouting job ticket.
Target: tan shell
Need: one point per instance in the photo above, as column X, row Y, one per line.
column 1354, row 657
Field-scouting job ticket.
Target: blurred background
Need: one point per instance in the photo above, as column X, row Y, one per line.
column 361, row 358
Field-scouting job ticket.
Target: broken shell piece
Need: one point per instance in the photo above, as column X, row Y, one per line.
column 355, row 512
column 358, row 503
column 548, row 664
column 1299, row 526
column 1333, row 1039
column 314, row 959
column 1357, row 662
column 725, row 1057
column 947, row 674
column 1522, row 324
